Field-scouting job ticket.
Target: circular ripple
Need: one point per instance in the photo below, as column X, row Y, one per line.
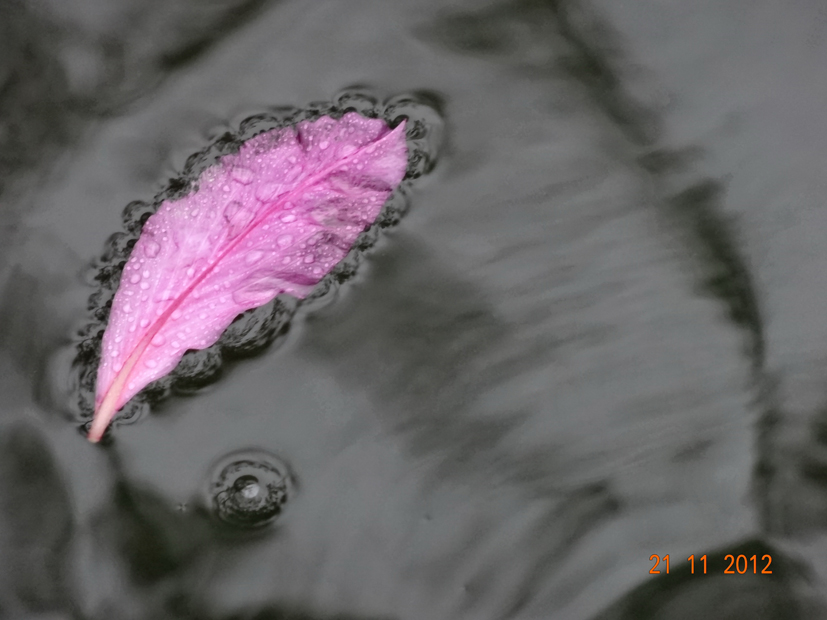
column 249, row 489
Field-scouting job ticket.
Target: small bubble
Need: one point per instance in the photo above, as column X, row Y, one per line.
column 249, row 489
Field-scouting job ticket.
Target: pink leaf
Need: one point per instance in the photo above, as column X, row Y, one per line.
column 273, row 218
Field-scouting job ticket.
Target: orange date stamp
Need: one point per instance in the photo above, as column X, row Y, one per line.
column 733, row 564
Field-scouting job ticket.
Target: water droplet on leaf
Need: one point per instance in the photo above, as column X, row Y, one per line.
column 151, row 248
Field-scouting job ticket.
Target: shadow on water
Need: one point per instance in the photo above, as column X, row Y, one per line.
column 35, row 527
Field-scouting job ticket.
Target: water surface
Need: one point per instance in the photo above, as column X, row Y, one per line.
column 596, row 335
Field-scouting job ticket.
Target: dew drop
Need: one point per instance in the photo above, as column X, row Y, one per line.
column 158, row 340
column 242, row 175
column 324, row 144
column 144, row 286
column 253, row 257
column 135, row 278
column 144, row 322
column 151, row 363
column 288, row 217
column 190, row 272
column 151, row 248
column 249, row 489
column 285, row 241
column 176, row 314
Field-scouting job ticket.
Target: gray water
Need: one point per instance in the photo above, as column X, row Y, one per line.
column 598, row 334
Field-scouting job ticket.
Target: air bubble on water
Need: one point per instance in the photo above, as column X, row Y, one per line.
column 249, row 489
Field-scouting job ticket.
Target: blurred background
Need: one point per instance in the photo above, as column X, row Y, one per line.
column 598, row 334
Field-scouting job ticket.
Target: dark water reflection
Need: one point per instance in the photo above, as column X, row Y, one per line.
column 598, row 334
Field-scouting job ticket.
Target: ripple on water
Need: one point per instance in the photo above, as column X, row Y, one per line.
column 249, row 489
